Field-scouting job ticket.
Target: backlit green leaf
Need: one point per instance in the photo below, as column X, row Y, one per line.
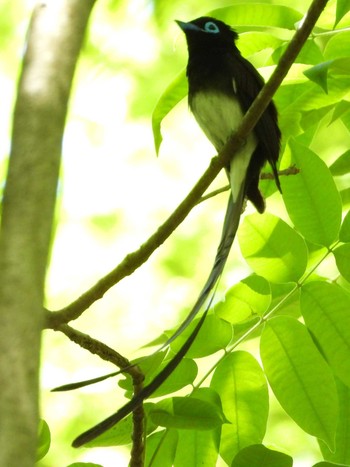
column 44, row 440
column 243, row 390
column 344, row 235
column 272, row 248
column 161, row 448
column 342, row 165
column 341, row 453
column 299, row 376
column 258, row 15
column 311, row 197
column 249, row 297
column 173, row 94
column 342, row 258
column 214, row 335
column 187, row 413
column 260, row 456
column 325, row 308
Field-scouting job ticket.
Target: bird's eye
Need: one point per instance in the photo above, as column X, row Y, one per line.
column 211, row 27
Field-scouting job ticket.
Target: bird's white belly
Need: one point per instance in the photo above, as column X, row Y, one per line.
column 219, row 116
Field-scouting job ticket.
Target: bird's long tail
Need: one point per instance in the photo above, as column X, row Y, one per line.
column 231, row 222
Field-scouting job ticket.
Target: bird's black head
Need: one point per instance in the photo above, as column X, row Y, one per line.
column 208, row 33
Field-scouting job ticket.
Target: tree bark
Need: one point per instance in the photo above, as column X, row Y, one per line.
column 54, row 41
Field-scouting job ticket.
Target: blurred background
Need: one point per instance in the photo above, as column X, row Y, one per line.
column 113, row 193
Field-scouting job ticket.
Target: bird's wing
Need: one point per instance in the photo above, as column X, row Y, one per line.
column 266, row 129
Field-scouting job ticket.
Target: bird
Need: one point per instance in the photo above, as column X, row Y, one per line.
column 222, row 85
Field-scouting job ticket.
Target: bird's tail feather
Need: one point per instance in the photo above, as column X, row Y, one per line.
column 231, row 222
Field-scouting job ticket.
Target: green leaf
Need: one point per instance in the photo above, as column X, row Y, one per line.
column 187, row 413
column 342, row 437
column 342, row 165
column 299, row 377
column 84, row 464
column 325, row 308
column 344, row 235
column 173, row 94
column 340, row 110
column 242, row 386
column 338, row 46
column 260, row 456
column 161, row 448
column 286, row 306
column 311, row 197
column 272, row 248
column 214, row 335
column 258, row 15
column 197, row 448
column 343, row 7
column 44, row 440
column 319, row 74
column 328, row 464
column 250, row 296
column 342, row 258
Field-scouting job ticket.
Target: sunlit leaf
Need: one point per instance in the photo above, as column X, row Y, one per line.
column 286, row 306
column 328, row 464
column 319, row 74
column 272, row 248
column 187, row 413
column 342, row 165
column 214, row 335
column 243, row 390
column 250, row 296
column 341, row 453
column 344, row 235
column 340, row 110
column 198, row 447
column 260, row 456
column 161, row 448
column 299, row 376
column 343, row 7
column 44, row 440
column 342, row 258
column 84, row 464
column 311, row 197
column 173, row 94
column 325, row 308
column 258, row 15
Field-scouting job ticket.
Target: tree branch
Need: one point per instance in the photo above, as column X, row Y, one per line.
column 135, row 259
column 54, row 40
column 107, row 353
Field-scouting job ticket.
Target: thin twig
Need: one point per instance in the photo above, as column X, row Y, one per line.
column 107, row 353
column 264, row 176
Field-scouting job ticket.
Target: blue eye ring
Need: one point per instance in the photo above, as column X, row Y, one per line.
column 211, row 27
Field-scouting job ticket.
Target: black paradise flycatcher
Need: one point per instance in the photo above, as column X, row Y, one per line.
column 222, row 86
